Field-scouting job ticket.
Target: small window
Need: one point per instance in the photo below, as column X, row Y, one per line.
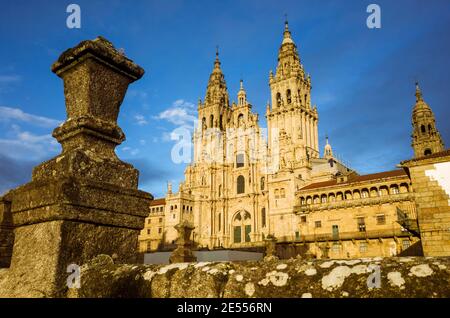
column 239, row 160
column 282, row 193
column 160, row 230
column 263, row 180
column 303, row 219
column 318, row 224
column 160, row 220
column 263, row 217
column 240, row 185
column 422, row 129
column 361, row 224
column 363, row 247
column 427, row 152
column 277, row 194
column 149, row 221
column 381, row 219
column 148, row 231
column 297, row 235
column 173, row 216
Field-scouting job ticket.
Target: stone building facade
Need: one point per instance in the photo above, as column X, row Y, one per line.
column 246, row 183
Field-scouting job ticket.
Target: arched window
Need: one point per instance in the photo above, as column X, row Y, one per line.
column 242, row 227
column 240, row 161
column 240, row 184
column 263, row 180
column 427, row 152
column 288, row 96
column 203, row 123
column 306, row 99
column 429, row 127
column 422, row 129
column 263, row 217
column 220, row 221
column 240, row 120
column 278, row 99
column 282, row 193
column 221, row 121
column 211, row 121
column 220, row 190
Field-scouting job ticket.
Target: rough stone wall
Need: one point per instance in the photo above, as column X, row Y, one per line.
column 431, row 180
column 6, row 233
column 399, row 277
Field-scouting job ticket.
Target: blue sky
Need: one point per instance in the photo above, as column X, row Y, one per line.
column 363, row 79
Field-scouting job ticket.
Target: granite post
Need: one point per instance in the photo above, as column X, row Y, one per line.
column 85, row 201
column 183, row 252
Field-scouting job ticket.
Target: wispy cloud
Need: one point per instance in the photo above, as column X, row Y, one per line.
column 140, row 120
column 28, row 145
column 181, row 113
column 9, row 113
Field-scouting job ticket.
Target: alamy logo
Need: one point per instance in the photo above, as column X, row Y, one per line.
column 374, row 19
column 74, row 279
column 73, row 21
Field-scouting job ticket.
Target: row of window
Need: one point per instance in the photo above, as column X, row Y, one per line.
column 185, row 208
column 363, row 246
column 360, row 221
column 149, row 221
column 280, row 193
column 355, row 194
column 157, row 209
column 289, row 98
column 159, row 231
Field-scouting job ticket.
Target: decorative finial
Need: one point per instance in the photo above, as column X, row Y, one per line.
column 326, row 137
column 242, row 84
column 285, row 19
column 418, row 92
column 217, row 51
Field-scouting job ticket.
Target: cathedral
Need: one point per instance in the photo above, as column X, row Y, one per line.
column 246, row 183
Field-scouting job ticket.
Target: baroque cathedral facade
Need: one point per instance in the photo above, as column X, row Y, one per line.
column 245, row 184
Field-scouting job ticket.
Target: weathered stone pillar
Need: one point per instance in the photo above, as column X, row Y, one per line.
column 183, row 252
column 271, row 248
column 84, row 202
column 430, row 178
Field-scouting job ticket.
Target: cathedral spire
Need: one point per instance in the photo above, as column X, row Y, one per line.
column 426, row 139
column 287, row 34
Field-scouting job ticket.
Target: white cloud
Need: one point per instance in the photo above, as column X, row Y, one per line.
column 181, row 113
column 140, row 120
column 28, row 145
column 9, row 113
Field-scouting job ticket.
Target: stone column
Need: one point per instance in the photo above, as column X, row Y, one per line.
column 431, row 184
column 183, row 252
column 85, row 201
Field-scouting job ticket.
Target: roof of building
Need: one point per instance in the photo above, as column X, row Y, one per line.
column 434, row 155
column 161, row 201
column 354, row 179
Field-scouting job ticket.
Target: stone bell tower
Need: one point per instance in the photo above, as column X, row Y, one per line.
column 426, row 139
column 85, row 201
column 214, row 112
column 291, row 112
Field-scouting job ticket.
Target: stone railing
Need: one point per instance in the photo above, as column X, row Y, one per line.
column 347, row 203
